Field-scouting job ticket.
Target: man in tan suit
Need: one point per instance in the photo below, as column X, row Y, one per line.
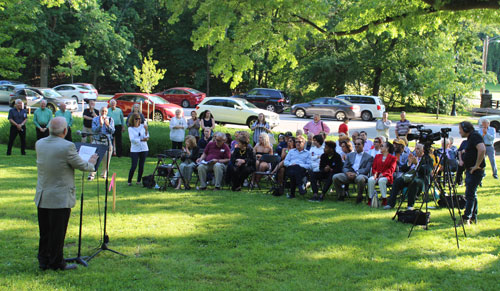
column 56, row 159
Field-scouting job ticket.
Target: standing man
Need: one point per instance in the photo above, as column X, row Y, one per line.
column 103, row 126
column 17, row 118
column 403, row 126
column 41, row 118
column 56, row 161
column 316, row 126
column 62, row 112
column 88, row 116
column 383, row 125
column 474, row 164
column 489, row 134
column 117, row 115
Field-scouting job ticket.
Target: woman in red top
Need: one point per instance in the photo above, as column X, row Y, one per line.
column 343, row 128
column 383, row 169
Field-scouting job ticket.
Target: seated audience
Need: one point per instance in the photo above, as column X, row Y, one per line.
column 357, row 167
column 280, row 169
column 242, row 163
column 191, row 153
column 329, row 165
column 309, row 143
column 346, row 149
column 418, row 170
column 368, row 143
column 401, row 156
column 263, row 147
column 214, row 158
column 377, row 144
column 205, row 139
column 297, row 163
column 384, row 165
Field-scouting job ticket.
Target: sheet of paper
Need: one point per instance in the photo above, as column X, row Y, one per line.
column 86, row 152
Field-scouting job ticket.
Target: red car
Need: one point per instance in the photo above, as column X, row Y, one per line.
column 185, row 97
column 163, row 110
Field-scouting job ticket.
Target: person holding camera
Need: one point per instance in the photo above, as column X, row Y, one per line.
column 189, row 155
column 474, row 164
column 416, row 175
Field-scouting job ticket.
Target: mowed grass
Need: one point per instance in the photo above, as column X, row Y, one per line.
column 246, row 240
column 430, row 118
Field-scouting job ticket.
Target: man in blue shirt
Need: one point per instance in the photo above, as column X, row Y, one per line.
column 297, row 163
column 17, row 118
column 488, row 133
column 105, row 126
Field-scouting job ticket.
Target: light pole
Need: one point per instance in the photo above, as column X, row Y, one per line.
column 486, row 44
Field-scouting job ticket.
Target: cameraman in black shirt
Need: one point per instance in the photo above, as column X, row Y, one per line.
column 474, row 168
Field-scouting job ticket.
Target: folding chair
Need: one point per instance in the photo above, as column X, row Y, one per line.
column 273, row 160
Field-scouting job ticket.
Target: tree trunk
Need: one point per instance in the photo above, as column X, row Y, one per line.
column 376, row 81
column 44, row 71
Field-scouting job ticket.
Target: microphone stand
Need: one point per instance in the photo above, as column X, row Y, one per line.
column 105, row 238
column 79, row 259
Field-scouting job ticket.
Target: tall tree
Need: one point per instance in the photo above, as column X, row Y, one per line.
column 75, row 63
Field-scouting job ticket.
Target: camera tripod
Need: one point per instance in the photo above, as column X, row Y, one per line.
column 444, row 186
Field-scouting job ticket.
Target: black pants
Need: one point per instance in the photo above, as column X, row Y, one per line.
column 177, row 145
column 40, row 134
column 22, row 135
column 237, row 175
column 68, row 136
column 52, row 224
column 139, row 157
column 118, row 140
column 296, row 173
column 318, row 177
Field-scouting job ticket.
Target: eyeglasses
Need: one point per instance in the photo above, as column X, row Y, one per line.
column 137, row 119
column 358, row 144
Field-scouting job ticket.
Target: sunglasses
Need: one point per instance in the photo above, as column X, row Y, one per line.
column 358, row 144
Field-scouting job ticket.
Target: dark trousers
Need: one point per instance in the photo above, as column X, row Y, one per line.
column 68, row 136
column 414, row 188
column 296, row 173
column 317, row 177
column 237, row 175
column 472, row 181
column 176, row 145
column 52, row 224
column 459, row 175
column 139, row 157
column 40, row 134
column 22, row 135
column 117, row 137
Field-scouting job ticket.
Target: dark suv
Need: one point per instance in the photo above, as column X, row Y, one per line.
column 269, row 99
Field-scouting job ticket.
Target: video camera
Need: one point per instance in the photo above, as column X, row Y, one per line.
column 426, row 136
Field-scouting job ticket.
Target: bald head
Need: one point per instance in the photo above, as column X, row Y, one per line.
column 57, row 126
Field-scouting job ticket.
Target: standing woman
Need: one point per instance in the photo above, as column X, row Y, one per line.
column 139, row 136
column 207, row 121
column 260, row 126
column 193, row 126
column 178, row 127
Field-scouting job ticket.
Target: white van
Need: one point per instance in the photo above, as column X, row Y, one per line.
column 371, row 107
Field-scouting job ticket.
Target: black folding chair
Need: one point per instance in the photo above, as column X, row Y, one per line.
column 273, row 160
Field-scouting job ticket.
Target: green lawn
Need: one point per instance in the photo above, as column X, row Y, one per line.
column 248, row 240
column 419, row 117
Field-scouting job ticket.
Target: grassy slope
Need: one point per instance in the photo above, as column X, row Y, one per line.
column 247, row 240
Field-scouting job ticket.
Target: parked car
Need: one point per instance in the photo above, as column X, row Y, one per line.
column 494, row 121
column 371, row 106
column 163, row 110
column 327, row 106
column 235, row 110
column 7, row 82
column 269, row 99
column 185, row 97
column 31, row 96
column 77, row 92
column 7, row 90
column 89, row 87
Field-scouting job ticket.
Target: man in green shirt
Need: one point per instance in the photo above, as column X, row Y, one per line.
column 69, row 119
column 117, row 115
column 41, row 118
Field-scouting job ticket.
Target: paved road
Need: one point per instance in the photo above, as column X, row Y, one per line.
column 291, row 123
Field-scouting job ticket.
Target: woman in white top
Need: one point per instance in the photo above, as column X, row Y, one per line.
column 263, row 147
column 139, row 136
column 178, row 127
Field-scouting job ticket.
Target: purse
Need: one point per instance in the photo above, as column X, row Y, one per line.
column 375, row 203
